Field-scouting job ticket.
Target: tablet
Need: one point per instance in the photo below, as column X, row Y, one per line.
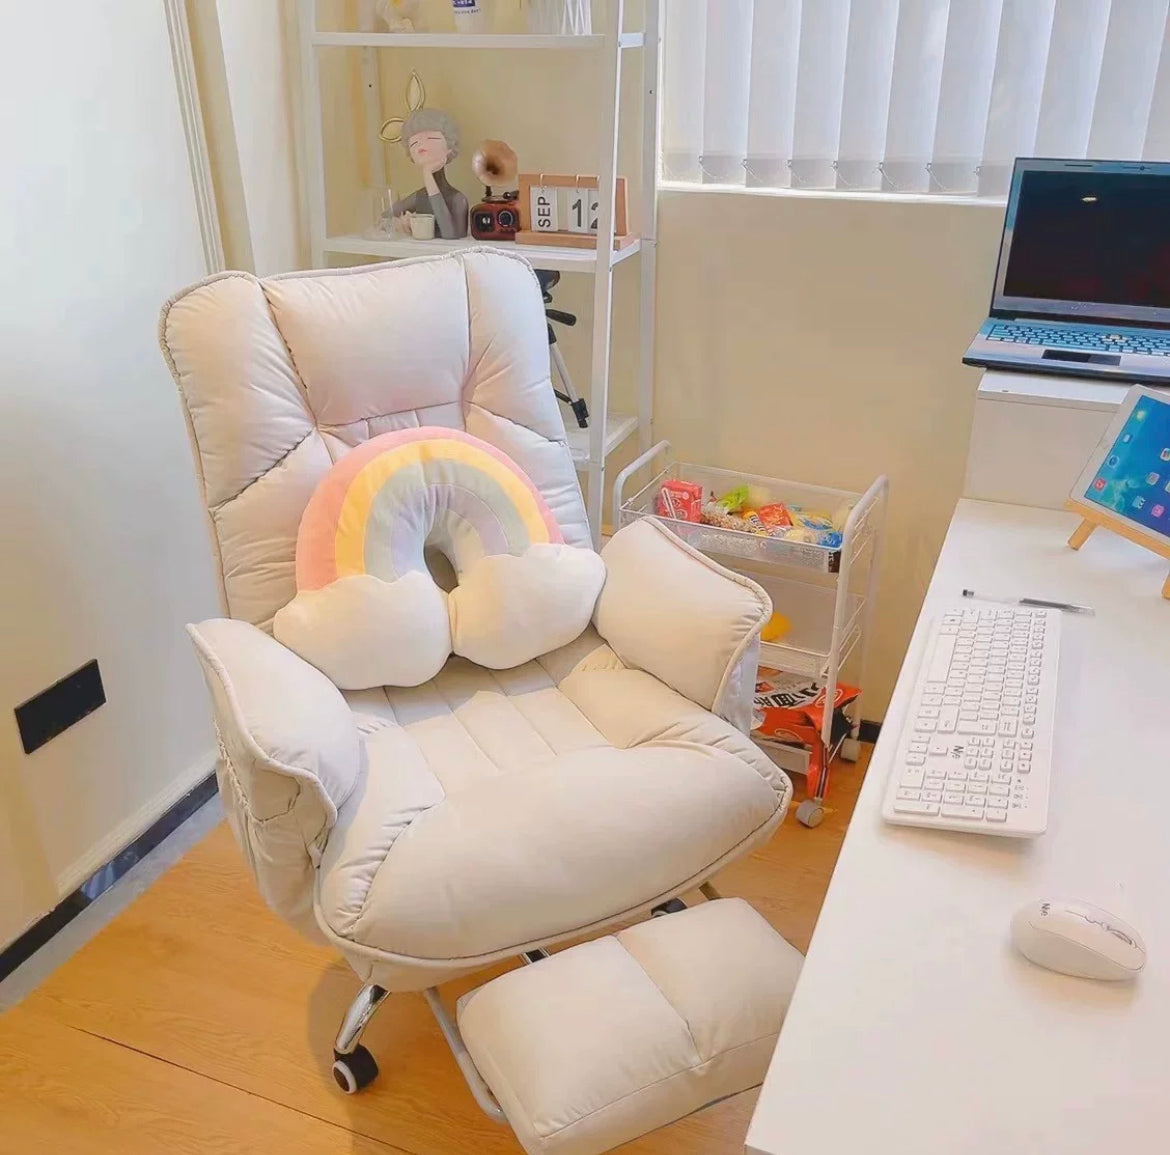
column 1127, row 477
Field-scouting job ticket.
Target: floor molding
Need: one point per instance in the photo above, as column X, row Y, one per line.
column 108, row 848
column 105, row 876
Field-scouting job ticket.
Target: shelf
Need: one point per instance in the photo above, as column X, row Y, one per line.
column 806, row 648
column 617, row 429
column 465, row 40
column 566, row 260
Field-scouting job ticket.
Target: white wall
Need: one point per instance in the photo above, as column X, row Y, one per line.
column 104, row 549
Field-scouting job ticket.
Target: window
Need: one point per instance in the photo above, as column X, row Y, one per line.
column 908, row 96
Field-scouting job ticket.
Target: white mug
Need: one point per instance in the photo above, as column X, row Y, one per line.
column 422, row 226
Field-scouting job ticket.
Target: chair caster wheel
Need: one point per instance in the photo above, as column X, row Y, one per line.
column 670, row 906
column 355, row 1070
column 851, row 749
column 810, row 813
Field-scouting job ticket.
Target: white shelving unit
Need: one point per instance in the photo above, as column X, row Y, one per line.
column 590, row 447
column 479, row 42
column 543, row 256
column 617, row 429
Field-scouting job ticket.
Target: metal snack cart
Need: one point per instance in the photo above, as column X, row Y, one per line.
column 828, row 594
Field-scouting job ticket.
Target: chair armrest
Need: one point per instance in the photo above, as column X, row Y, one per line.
column 692, row 623
column 277, row 715
column 289, row 756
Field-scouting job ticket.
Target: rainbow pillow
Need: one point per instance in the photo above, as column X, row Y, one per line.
column 368, row 611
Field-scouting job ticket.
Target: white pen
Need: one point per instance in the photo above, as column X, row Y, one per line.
column 1035, row 603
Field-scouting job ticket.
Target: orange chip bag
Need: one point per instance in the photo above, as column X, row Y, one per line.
column 774, row 516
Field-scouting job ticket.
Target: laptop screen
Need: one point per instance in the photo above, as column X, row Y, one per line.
column 1087, row 240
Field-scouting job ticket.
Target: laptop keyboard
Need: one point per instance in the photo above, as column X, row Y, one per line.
column 1027, row 333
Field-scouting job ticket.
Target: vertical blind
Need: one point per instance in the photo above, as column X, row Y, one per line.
column 909, row 95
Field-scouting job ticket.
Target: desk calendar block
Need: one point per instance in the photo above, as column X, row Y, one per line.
column 558, row 209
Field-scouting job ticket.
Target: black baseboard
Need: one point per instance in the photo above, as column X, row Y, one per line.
column 102, row 879
column 870, row 731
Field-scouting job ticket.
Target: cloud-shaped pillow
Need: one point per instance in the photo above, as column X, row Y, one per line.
column 367, row 611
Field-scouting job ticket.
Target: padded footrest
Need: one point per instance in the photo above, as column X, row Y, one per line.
column 603, row 1042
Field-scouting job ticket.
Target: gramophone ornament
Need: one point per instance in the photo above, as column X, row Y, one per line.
column 496, row 217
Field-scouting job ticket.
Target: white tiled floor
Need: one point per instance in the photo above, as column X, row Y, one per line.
column 31, row 973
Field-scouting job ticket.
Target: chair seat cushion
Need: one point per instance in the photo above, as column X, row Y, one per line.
column 503, row 809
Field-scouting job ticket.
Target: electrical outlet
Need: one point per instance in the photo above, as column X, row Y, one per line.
column 63, row 704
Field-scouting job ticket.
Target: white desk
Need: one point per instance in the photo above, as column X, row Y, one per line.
column 915, row 1028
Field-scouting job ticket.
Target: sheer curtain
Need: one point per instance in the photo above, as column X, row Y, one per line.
column 908, row 95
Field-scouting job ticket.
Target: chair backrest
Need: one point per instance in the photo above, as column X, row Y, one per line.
column 281, row 377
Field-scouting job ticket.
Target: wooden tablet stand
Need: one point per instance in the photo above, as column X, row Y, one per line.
column 1092, row 519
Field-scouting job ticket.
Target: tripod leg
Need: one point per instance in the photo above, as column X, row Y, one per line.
column 576, row 401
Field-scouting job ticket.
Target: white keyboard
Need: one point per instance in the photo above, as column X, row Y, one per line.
column 975, row 753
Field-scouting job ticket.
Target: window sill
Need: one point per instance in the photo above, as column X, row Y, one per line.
column 835, row 194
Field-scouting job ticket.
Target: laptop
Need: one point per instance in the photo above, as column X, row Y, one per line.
column 1082, row 287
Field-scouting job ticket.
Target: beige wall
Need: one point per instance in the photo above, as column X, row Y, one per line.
column 819, row 338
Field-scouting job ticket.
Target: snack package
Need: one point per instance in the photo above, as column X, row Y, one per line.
column 775, row 628
column 682, row 500
column 790, row 710
column 803, row 535
column 811, row 519
column 735, row 499
column 775, row 516
column 794, row 698
column 713, row 513
column 802, row 738
column 800, row 534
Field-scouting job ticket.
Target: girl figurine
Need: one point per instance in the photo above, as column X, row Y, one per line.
column 431, row 139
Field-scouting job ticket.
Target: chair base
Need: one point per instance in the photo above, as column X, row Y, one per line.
column 353, row 1065
column 354, row 1071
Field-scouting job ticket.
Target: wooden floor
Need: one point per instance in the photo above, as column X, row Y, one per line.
column 196, row 1022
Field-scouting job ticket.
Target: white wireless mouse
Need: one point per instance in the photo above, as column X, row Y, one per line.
column 1078, row 939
